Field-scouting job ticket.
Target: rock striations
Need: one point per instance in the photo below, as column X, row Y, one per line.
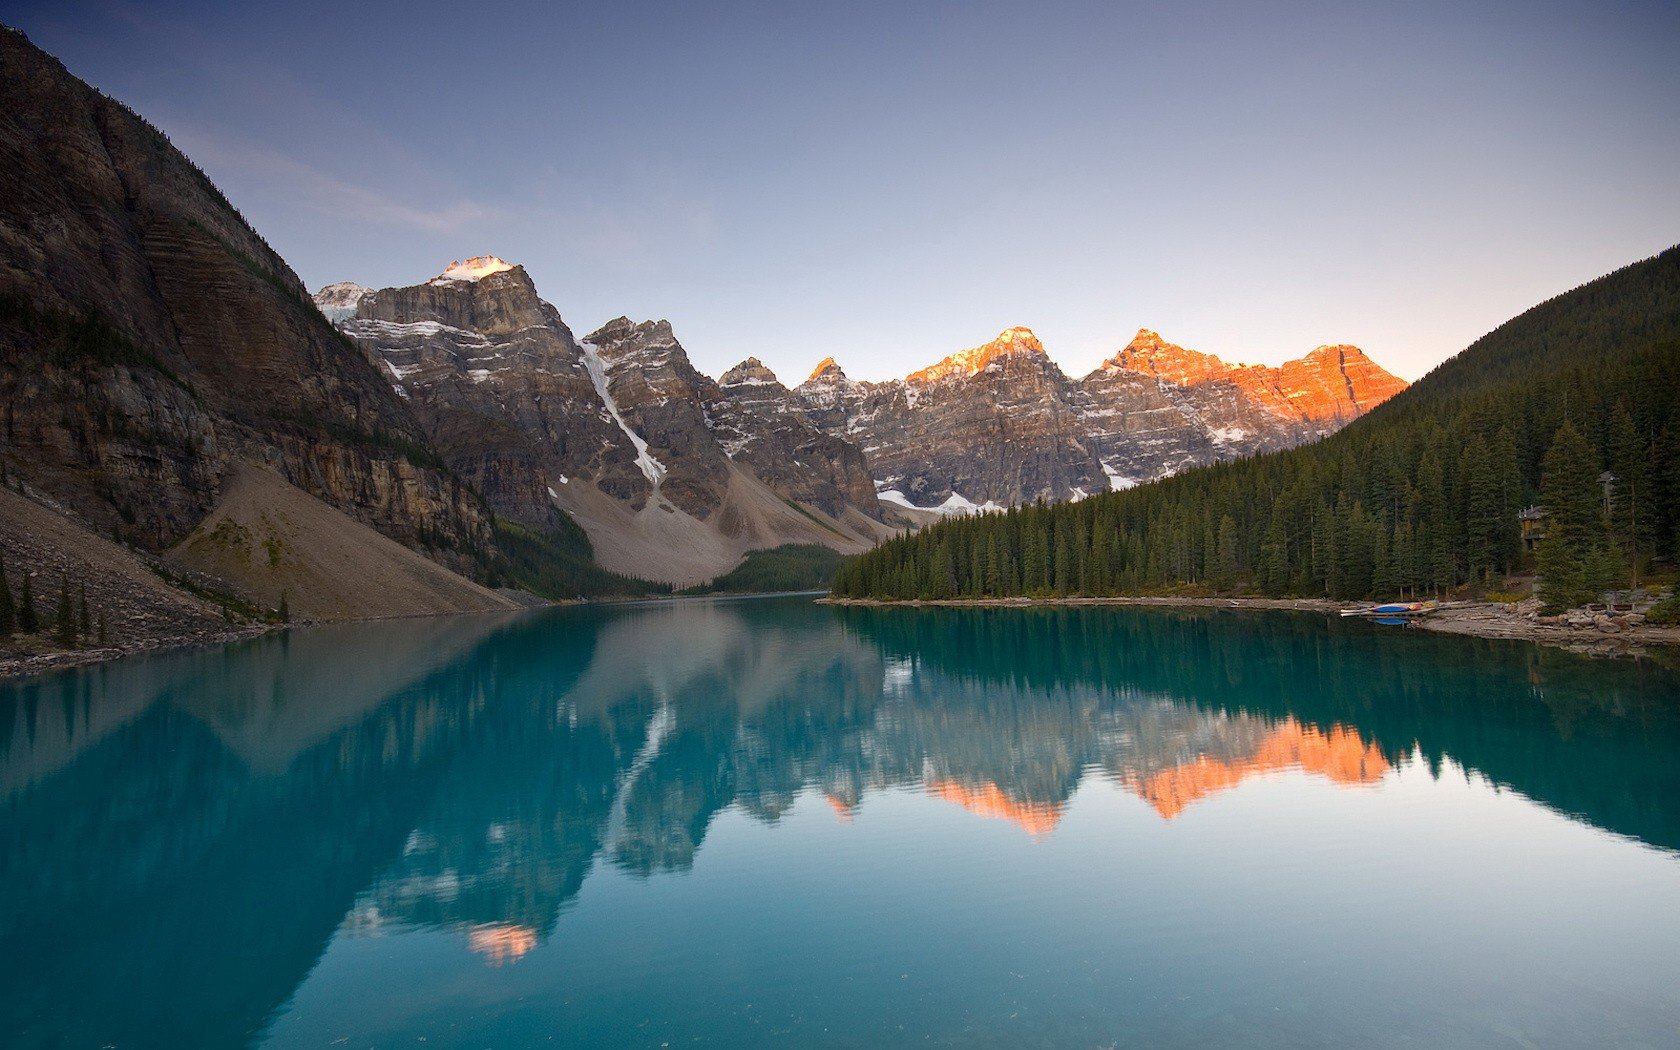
column 673, row 475
column 541, row 423
column 1001, row 424
column 153, row 342
column 168, row 382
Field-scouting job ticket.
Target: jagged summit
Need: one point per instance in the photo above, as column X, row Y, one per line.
column 751, row 372
column 338, row 300
column 647, row 334
column 1335, row 382
column 827, row 368
column 1010, row 341
column 473, row 269
column 1152, row 355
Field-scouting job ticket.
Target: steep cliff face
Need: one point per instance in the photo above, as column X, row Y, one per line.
column 659, row 398
column 151, row 338
column 762, row 426
column 500, row 383
column 672, row 474
column 1157, row 408
column 1000, row 424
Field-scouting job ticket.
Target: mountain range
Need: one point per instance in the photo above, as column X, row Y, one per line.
column 1551, row 444
column 187, row 414
column 674, row 475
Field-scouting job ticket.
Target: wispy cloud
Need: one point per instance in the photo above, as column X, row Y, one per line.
column 295, row 182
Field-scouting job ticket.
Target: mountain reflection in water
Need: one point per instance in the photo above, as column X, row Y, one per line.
column 182, row 836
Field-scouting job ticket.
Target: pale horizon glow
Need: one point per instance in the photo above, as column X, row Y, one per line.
column 888, row 184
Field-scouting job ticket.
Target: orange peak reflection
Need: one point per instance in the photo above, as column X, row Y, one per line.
column 501, row 943
column 1341, row 755
column 988, row 800
column 846, row 811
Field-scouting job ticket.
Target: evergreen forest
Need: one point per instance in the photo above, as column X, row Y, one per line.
column 1572, row 407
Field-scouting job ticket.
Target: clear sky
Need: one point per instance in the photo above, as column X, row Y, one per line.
column 888, row 183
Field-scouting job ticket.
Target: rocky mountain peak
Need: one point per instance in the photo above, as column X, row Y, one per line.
column 338, row 301
column 1337, row 382
column 473, row 269
column 1152, row 355
column 750, row 372
column 827, row 369
column 622, row 338
column 500, row 301
column 1010, row 342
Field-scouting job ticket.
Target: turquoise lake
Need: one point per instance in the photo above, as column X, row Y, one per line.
column 770, row 822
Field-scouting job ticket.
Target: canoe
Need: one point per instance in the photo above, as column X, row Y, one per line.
column 1393, row 609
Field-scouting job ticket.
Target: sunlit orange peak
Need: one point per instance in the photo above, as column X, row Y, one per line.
column 972, row 362
column 473, row 269
column 989, row 800
column 824, row 367
column 501, row 942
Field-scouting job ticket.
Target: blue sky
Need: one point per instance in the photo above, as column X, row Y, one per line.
column 888, row 183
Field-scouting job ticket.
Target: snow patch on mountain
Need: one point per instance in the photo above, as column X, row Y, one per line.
column 651, row 467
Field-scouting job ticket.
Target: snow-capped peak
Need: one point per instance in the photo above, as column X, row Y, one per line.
column 476, row 268
column 338, row 301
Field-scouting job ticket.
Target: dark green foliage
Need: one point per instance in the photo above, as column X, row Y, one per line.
column 81, row 340
column 1632, row 519
column 1419, row 496
column 64, row 617
column 8, row 611
column 414, row 451
column 1569, row 479
column 791, row 567
column 84, row 622
column 559, row 563
column 28, row 620
column 284, row 613
column 234, row 608
column 1666, row 611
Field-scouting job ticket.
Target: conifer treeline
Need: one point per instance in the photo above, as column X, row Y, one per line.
column 1420, row 495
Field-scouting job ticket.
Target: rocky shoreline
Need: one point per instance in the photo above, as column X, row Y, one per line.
column 24, row 665
column 1580, row 630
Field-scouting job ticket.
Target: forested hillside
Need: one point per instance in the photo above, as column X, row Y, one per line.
column 1421, row 495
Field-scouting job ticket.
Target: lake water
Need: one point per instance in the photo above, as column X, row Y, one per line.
column 770, row 822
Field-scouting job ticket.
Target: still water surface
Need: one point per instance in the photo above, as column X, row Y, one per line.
column 770, row 822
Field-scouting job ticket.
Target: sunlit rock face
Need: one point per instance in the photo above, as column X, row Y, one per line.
column 1000, row 424
column 472, row 269
column 996, row 424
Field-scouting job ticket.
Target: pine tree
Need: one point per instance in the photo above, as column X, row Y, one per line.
column 8, row 613
column 84, row 622
column 1631, row 517
column 1569, row 488
column 1482, row 509
column 29, row 621
column 1574, row 527
column 64, row 617
column 1225, row 554
column 285, row 611
column 1563, row 578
